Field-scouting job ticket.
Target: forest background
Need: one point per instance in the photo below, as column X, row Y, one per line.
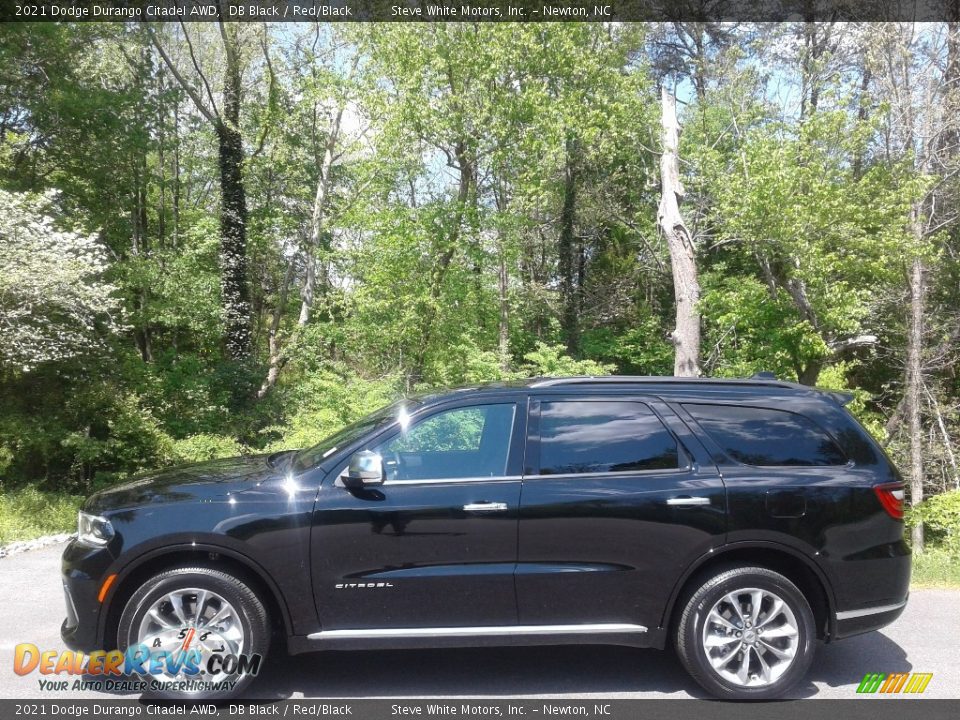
column 236, row 238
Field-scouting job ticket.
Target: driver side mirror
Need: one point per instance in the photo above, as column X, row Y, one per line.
column 365, row 470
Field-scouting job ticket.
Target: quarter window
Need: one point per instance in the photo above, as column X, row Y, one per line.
column 765, row 437
column 461, row 443
column 602, row 437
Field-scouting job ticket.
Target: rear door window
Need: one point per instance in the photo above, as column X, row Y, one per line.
column 578, row 437
column 766, row 437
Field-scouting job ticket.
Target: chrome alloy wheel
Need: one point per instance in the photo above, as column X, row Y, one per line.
column 750, row 637
column 193, row 619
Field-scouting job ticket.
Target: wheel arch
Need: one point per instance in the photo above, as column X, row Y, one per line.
column 793, row 564
column 135, row 573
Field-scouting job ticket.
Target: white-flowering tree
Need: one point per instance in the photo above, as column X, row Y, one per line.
column 54, row 303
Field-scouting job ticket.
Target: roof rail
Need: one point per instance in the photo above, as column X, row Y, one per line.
column 760, row 379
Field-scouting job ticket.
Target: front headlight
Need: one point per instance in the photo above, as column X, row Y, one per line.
column 93, row 529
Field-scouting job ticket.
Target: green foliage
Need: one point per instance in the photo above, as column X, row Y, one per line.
column 122, row 437
column 489, row 212
column 324, row 398
column 6, row 459
column 638, row 350
column 205, row 446
column 940, row 516
column 28, row 513
column 935, row 567
column 863, row 406
column 747, row 330
column 551, row 361
column 466, row 364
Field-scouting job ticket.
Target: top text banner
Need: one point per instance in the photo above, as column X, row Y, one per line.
column 477, row 10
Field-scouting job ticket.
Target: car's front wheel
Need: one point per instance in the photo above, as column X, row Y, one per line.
column 203, row 630
column 747, row 633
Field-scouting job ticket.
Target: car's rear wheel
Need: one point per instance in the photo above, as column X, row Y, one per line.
column 746, row 633
column 206, row 622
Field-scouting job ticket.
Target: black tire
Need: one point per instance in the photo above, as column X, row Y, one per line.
column 690, row 633
column 251, row 611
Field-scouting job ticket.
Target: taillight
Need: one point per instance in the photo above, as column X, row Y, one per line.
column 891, row 497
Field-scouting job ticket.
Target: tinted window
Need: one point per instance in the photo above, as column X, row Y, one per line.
column 460, row 443
column 596, row 437
column 760, row 436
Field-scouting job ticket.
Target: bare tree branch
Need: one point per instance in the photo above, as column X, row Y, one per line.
column 197, row 100
column 203, row 78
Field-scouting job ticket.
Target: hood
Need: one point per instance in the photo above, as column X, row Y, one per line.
column 211, row 480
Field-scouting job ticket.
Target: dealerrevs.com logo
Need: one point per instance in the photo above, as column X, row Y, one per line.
column 138, row 669
column 889, row 683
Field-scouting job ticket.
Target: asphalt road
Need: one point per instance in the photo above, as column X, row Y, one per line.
column 926, row 638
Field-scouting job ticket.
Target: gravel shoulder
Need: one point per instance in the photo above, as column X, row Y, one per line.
column 924, row 639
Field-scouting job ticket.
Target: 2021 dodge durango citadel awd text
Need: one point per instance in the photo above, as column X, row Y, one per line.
column 739, row 521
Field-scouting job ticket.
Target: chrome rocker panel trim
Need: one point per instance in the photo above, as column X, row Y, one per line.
column 485, row 630
column 851, row 614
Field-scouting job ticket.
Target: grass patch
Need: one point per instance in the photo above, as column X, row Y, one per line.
column 28, row 513
column 935, row 567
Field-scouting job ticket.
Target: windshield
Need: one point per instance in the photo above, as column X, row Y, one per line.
column 350, row 434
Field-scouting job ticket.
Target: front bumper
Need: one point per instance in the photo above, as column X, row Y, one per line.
column 83, row 569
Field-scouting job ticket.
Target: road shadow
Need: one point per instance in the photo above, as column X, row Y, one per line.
column 845, row 662
column 475, row 672
column 572, row 670
column 549, row 670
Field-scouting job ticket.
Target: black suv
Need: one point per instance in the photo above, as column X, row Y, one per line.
column 738, row 520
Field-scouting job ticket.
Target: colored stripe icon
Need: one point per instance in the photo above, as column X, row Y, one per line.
column 914, row 683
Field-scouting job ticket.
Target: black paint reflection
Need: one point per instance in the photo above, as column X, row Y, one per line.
column 760, row 436
column 603, row 436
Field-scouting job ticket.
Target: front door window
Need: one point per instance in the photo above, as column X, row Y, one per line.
column 466, row 442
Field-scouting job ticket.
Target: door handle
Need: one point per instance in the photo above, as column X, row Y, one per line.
column 687, row 500
column 485, row 507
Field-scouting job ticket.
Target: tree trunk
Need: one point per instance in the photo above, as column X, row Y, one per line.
column 914, row 384
column 863, row 105
column 503, row 297
column 568, row 261
column 233, row 245
column 817, row 39
column 233, row 216
column 466, row 168
column 503, row 279
column 273, row 335
column 176, row 173
column 141, row 249
column 951, row 77
column 235, row 295
column 686, row 285
column 945, row 438
column 318, row 219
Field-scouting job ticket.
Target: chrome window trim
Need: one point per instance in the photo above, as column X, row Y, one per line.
column 483, row 630
column 440, row 481
column 557, row 476
column 617, row 473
